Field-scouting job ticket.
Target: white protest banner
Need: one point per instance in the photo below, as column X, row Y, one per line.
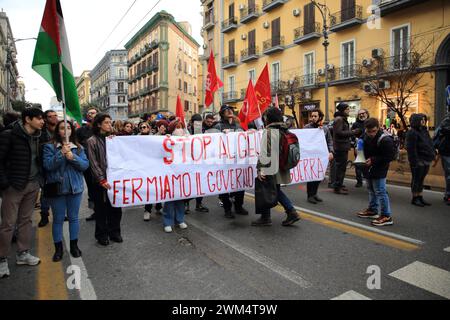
column 156, row 169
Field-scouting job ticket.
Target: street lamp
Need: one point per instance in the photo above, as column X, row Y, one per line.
column 324, row 11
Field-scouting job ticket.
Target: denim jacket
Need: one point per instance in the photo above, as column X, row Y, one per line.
column 69, row 173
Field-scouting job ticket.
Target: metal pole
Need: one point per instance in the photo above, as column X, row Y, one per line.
column 63, row 100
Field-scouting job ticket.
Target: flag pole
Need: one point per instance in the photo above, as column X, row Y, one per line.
column 63, row 101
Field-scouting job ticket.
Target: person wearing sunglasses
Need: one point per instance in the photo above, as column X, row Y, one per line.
column 144, row 129
column 361, row 118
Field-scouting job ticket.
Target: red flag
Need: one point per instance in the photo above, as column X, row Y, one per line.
column 213, row 83
column 262, row 89
column 180, row 110
column 250, row 110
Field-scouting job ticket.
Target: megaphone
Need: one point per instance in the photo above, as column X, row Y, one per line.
column 360, row 158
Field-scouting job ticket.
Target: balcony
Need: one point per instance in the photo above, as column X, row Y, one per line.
column 250, row 54
column 389, row 6
column 249, row 13
column 346, row 18
column 154, row 88
column 307, row 33
column 144, row 91
column 154, row 67
column 231, row 96
column 309, row 81
column 229, row 62
column 229, row 25
column 123, row 91
column 346, row 74
column 133, row 96
column 395, row 64
column 273, row 45
column 277, row 87
column 154, row 44
column 208, row 22
column 272, row 4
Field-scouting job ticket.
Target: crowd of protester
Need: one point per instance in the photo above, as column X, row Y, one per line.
column 39, row 167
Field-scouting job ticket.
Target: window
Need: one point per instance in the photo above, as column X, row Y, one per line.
column 231, row 51
column 179, row 85
column 348, row 60
column 155, row 81
column 185, row 87
column 400, row 47
column 185, row 67
column 309, row 18
column 195, row 91
column 252, row 75
column 189, row 88
column 121, row 73
column 252, row 42
column 231, row 83
column 186, row 105
column 120, row 87
column 276, row 37
column 275, row 72
column 121, row 99
column 190, row 70
column 309, row 69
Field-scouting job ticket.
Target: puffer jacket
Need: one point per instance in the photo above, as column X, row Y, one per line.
column 282, row 176
column 69, row 173
column 419, row 143
column 342, row 134
column 15, row 156
column 97, row 157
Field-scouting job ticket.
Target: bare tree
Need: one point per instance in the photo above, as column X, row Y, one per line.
column 393, row 80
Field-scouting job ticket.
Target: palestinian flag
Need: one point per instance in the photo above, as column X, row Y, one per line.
column 52, row 47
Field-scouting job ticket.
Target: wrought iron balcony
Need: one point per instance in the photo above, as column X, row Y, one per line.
column 231, row 96
column 117, row 91
column 309, row 80
column 346, row 18
column 249, row 54
column 208, row 22
column 389, row 6
column 307, row 32
column 345, row 74
column 273, row 45
column 394, row 64
column 272, row 4
column 229, row 62
column 249, row 13
column 229, row 24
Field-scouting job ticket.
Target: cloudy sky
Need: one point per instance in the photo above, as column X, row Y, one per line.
column 88, row 24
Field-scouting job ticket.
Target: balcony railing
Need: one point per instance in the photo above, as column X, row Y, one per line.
column 209, row 20
column 346, row 18
column 393, row 64
column 249, row 13
column 117, row 91
column 229, row 62
column 308, row 32
column 230, row 96
column 249, row 54
column 345, row 74
column 389, row 6
column 272, row 4
column 308, row 80
column 229, row 24
column 273, row 45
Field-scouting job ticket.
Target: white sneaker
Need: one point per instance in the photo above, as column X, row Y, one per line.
column 183, row 225
column 25, row 258
column 4, row 270
column 146, row 216
column 168, row 229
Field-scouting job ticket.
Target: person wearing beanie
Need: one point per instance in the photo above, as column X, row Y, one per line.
column 342, row 136
column 228, row 124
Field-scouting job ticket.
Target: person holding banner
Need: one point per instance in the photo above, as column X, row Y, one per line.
column 273, row 120
column 174, row 211
column 315, row 121
column 107, row 217
column 228, row 124
column 64, row 164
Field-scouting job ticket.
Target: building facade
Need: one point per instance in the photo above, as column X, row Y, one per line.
column 109, row 84
column 162, row 64
column 83, row 84
column 8, row 65
column 367, row 40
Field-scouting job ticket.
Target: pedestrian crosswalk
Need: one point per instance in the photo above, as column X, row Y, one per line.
column 421, row 275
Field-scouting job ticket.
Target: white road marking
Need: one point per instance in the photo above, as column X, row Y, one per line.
column 425, row 276
column 87, row 291
column 351, row 295
column 273, row 266
column 357, row 225
column 447, row 249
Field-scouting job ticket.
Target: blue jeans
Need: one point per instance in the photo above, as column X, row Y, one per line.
column 446, row 166
column 283, row 200
column 378, row 196
column 173, row 213
column 45, row 206
column 61, row 205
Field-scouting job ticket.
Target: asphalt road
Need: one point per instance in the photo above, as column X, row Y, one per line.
column 324, row 256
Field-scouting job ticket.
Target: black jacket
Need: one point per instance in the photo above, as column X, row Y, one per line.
column 15, row 156
column 444, row 131
column 381, row 152
column 83, row 134
column 225, row 125
column 419, row 143
column 341, row 133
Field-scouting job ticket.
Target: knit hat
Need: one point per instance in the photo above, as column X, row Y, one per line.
column 342, row 107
